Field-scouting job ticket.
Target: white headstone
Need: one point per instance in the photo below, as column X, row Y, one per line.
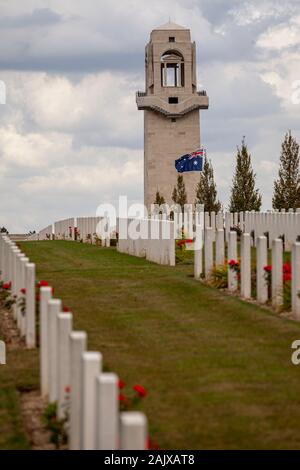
column 30, row 305
column 245, row 266
column 45, row 296
column 261, row 262
column 107, row 412
column 91, row 368
column 133, row 430
column 54, row 308
column 232, row 255
column 19, row 286
column 78, row 344
column 24, row 262
column 296, row 280
column 64, row 328
column 208, row 252
column 14, row 287
column 220, row 248
column 277, row 284
column 198, row 249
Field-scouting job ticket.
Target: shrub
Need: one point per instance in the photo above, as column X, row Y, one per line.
column 234, row 265
column 287, row 296
column 218, row 277
column 97, row 239
column 286, row 277
column 238, row 230
column 181, row 247
column 131, row 399
column 6, row 297
column 56, row 426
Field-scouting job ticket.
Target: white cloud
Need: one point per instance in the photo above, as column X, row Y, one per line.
column 98, row 102
column 30, row 150
column 64, row 139
column 281, row 36
column 99, row 178
column 283, row 73
column 72, row 139
column 253, row 11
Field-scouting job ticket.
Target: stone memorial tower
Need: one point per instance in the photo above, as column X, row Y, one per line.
column 171, row 105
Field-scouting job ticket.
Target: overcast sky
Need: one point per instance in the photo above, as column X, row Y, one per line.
column 70, row 134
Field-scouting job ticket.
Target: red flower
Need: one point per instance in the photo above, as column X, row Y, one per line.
column 140, row 390
column 151, row 445
column 65, row 309
column 183, row 241
column 268, row 268
column 121, row 384
column 287, row 277
column 233, row 263
column 122, row 398
column 23, row 290
column 286, row 268
column 6, row 285
column 67, row 389
column 43, row 284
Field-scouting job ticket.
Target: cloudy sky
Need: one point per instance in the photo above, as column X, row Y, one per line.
column 70, row 134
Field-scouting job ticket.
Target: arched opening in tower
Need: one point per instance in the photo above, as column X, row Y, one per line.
column 172, row 69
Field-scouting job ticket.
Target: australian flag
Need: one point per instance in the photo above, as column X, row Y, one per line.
column 191, row 161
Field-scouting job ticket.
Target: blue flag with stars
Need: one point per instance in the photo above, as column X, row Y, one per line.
column 190, row 162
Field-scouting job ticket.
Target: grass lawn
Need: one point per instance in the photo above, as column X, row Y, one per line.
column 217, row 369
column 20, row 372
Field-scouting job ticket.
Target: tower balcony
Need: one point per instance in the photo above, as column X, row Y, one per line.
column 195, row 101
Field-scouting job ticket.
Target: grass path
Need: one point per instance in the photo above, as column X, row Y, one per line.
column 19, row 373
column 217, row 369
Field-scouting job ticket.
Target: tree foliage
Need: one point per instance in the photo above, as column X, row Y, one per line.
column 159, row 199
column 206, row 191
column 244, row 195
column 287, row 186
column 179, row 195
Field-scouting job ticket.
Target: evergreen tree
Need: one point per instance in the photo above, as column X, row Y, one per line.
column 287, row 186
column 179, row 193
column 244, row 196
column 159, row 199
column 206, row 192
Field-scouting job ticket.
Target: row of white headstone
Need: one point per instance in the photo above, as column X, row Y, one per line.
column 46, row 233
column 70, row 375
column 153, row 239
column 17, row 271
column 275, row 223
column 87, row 228
column 245, row 266
column 65, row 229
